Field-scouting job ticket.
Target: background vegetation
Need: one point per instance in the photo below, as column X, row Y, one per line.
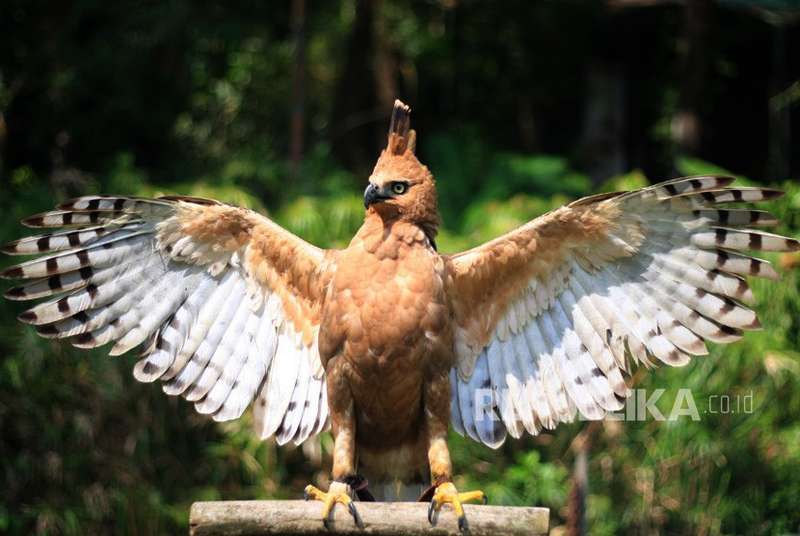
column 283, row 107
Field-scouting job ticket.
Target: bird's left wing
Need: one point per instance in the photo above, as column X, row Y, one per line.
column 549, row 315
column 224, row 302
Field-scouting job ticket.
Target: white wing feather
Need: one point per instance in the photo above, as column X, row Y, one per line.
column 564, row 341
column 124, row 271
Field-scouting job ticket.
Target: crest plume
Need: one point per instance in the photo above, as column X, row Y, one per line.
column 401, row 136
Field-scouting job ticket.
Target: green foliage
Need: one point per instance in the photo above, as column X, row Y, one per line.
column 468, row 171
column 329, row 222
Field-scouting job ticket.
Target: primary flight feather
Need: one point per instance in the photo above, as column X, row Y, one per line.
column 388, row 341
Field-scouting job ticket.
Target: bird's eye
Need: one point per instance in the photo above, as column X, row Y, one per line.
column 399, row 187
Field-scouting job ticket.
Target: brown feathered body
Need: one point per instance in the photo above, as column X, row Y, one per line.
column 385, row 336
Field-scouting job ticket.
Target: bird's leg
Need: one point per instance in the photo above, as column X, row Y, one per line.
column 345, row 481
column 437, row 415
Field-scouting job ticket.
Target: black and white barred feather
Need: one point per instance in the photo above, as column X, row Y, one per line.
column 205, row 332
column 565, row 343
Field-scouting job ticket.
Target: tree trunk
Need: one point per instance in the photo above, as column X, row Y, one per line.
column 687, row 126
column 365, row 92
column 298, row 87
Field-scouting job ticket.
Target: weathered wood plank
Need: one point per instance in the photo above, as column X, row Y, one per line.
column 403, row 519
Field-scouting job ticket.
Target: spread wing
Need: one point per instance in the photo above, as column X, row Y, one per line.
column 550, row 315
column 224, row 302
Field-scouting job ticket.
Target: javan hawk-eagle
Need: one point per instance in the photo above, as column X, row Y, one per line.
column 388, row 340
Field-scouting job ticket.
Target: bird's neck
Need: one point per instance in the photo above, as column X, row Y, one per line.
column 383, row 236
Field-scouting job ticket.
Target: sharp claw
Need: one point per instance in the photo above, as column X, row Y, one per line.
column 356, row 516
column 463, row 526
column 448, row 494
column 330, row 500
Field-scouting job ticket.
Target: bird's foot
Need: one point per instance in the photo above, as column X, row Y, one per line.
column 447, row 493
column 338, row 492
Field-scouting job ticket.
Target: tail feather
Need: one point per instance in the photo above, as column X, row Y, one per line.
column 388, row 491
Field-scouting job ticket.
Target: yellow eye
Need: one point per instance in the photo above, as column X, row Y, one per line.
column 399, row 187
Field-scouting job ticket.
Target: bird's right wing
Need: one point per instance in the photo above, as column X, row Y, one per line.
column 224, row 302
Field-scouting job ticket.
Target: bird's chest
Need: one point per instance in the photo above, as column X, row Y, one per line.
column 386, row 311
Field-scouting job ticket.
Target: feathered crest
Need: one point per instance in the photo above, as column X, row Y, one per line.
column 401, row 137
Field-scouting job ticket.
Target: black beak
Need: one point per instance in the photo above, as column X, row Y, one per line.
column 372, row 195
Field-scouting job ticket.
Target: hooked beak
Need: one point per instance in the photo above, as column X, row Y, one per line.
column 373, row 195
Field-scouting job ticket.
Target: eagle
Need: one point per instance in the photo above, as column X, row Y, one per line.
column 389, row 342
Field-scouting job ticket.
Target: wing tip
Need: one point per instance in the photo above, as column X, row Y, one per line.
column 34, row 222
column 146, row 372
column 48, row 331
column 755, row 325
column 15, row 294
column 27, row 317
column 772, row 193
column 13, row 272
column 792, row 244
column 84, row 340
column 10, row 248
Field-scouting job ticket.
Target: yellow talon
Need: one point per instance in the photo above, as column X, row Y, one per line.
column 448, row 494
column 337, row 493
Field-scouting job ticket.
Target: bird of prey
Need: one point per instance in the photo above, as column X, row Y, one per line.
column 389, row 341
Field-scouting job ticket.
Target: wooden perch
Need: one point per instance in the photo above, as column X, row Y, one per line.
column 380, row 518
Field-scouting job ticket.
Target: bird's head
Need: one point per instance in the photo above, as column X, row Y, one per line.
column 400, row 187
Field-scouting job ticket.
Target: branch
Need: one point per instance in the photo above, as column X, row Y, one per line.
column 380, row 518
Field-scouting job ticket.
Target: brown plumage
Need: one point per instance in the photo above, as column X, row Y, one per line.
column 388, row 340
